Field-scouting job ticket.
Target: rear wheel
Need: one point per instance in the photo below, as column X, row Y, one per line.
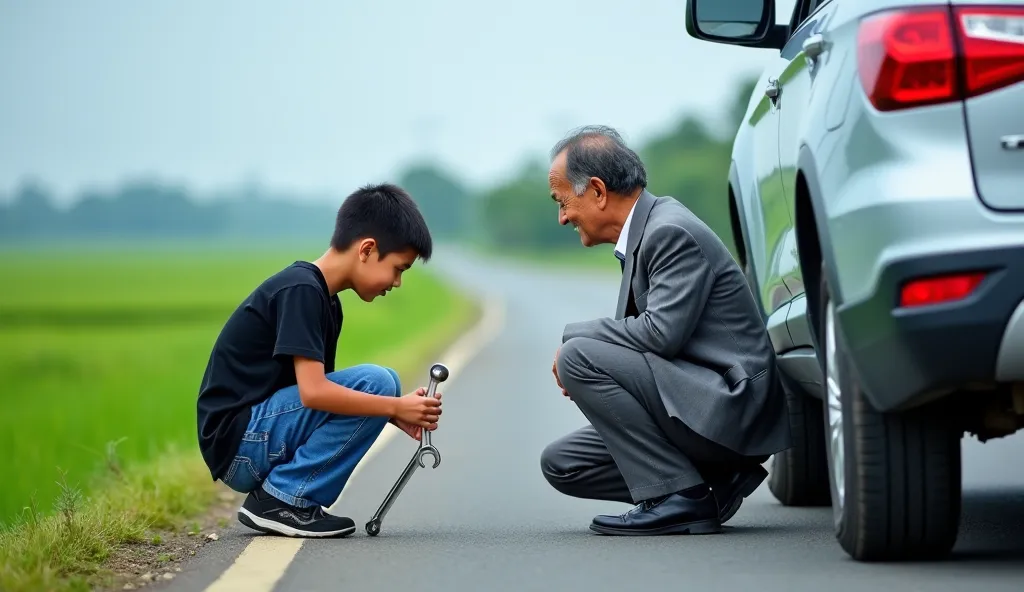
column 799, row 475
column 894, row 477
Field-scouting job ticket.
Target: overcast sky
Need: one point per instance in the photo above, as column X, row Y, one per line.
column 324, row 96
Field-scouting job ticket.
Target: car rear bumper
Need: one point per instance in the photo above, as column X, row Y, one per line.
column 905, row 356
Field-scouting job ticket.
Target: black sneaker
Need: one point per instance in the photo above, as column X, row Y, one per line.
column 265, row 513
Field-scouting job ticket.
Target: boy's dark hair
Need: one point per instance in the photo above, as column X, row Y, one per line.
column 387, row 214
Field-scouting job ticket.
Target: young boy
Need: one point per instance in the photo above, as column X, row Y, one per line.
column 275, row 419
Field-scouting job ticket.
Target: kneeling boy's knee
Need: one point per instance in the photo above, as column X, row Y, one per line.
column 382, row 380
column 398, row 383
column 376, row 380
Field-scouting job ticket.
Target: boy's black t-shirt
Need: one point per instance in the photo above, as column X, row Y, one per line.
column 290, row 314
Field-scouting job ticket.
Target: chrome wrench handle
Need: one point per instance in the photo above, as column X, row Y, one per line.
column 438, row 374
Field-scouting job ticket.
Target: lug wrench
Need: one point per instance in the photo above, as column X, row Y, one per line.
column 438, row 374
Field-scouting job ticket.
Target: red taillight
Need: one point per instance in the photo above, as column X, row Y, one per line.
column 936, row 290
column 993, row 46
column 907, row 58
column 915, row 57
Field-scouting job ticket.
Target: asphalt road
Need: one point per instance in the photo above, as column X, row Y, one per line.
column 485, row 519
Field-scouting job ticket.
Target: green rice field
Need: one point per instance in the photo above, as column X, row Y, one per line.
column 101, row 353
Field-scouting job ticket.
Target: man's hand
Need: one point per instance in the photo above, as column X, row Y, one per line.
column 554, row 370
column 416, row 411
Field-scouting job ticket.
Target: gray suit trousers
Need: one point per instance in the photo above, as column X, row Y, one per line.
column 633, row 450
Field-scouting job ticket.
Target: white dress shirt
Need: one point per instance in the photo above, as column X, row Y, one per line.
column 620, row 245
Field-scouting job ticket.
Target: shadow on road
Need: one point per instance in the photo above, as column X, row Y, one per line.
column 991, row 528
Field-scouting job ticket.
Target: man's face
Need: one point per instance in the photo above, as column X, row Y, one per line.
column 584, row 212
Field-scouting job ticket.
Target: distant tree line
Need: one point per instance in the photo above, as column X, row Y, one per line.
column 687, row 161
column 142, row 210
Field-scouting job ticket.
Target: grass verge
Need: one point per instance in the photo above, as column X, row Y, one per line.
column 105, row 483
column 76, row 547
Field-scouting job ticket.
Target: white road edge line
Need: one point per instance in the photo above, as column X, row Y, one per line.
column 265, row 559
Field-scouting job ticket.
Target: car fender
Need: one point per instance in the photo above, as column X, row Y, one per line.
column 741, row 208
column 744, row 190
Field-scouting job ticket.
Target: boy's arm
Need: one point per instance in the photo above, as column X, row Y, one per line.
column 300, row 320
column 317, row 392
column 406, row 412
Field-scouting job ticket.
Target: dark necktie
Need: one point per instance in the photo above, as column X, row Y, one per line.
column 622, row 260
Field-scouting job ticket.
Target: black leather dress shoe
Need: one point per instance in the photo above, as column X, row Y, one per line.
column 673, row 514
column 730, row 493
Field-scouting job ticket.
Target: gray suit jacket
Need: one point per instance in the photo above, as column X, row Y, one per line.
column 699, row 328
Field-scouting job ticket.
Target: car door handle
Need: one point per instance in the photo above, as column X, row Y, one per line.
column 814, row 46
column 772, row 90
column 1012, row 142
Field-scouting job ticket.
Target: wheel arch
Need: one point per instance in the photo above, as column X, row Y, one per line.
column 814, row 244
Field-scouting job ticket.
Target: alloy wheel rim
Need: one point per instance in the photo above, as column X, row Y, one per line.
column 835, row 407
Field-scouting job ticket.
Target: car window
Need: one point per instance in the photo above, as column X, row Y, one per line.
column 804, row 9
column 784, row 10
column 805, row 13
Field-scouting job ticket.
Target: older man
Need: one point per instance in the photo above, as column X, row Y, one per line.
column 680, row 388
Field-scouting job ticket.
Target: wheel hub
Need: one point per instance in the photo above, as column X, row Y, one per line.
column 834, row 408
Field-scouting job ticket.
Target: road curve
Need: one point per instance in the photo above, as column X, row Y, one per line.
column 485, row 519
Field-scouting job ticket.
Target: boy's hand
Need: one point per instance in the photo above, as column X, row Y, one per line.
column 414, row 431
column 415, row 411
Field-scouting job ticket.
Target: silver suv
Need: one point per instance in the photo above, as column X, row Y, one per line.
column 877, row 198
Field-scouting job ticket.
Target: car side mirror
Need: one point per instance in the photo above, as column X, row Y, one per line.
column 735, row 22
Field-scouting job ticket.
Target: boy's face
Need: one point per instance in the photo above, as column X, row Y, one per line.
column 375, row 276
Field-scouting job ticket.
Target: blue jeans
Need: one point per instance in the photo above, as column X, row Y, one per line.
column 305, row 457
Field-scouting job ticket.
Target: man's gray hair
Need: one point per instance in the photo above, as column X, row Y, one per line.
column 599, row 151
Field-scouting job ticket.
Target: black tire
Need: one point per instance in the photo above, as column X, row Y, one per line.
column 901, row 471
column 799, row 475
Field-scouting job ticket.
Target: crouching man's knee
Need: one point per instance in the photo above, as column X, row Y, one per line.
column 550, row 466
column 558, row 469
column 573, row 358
